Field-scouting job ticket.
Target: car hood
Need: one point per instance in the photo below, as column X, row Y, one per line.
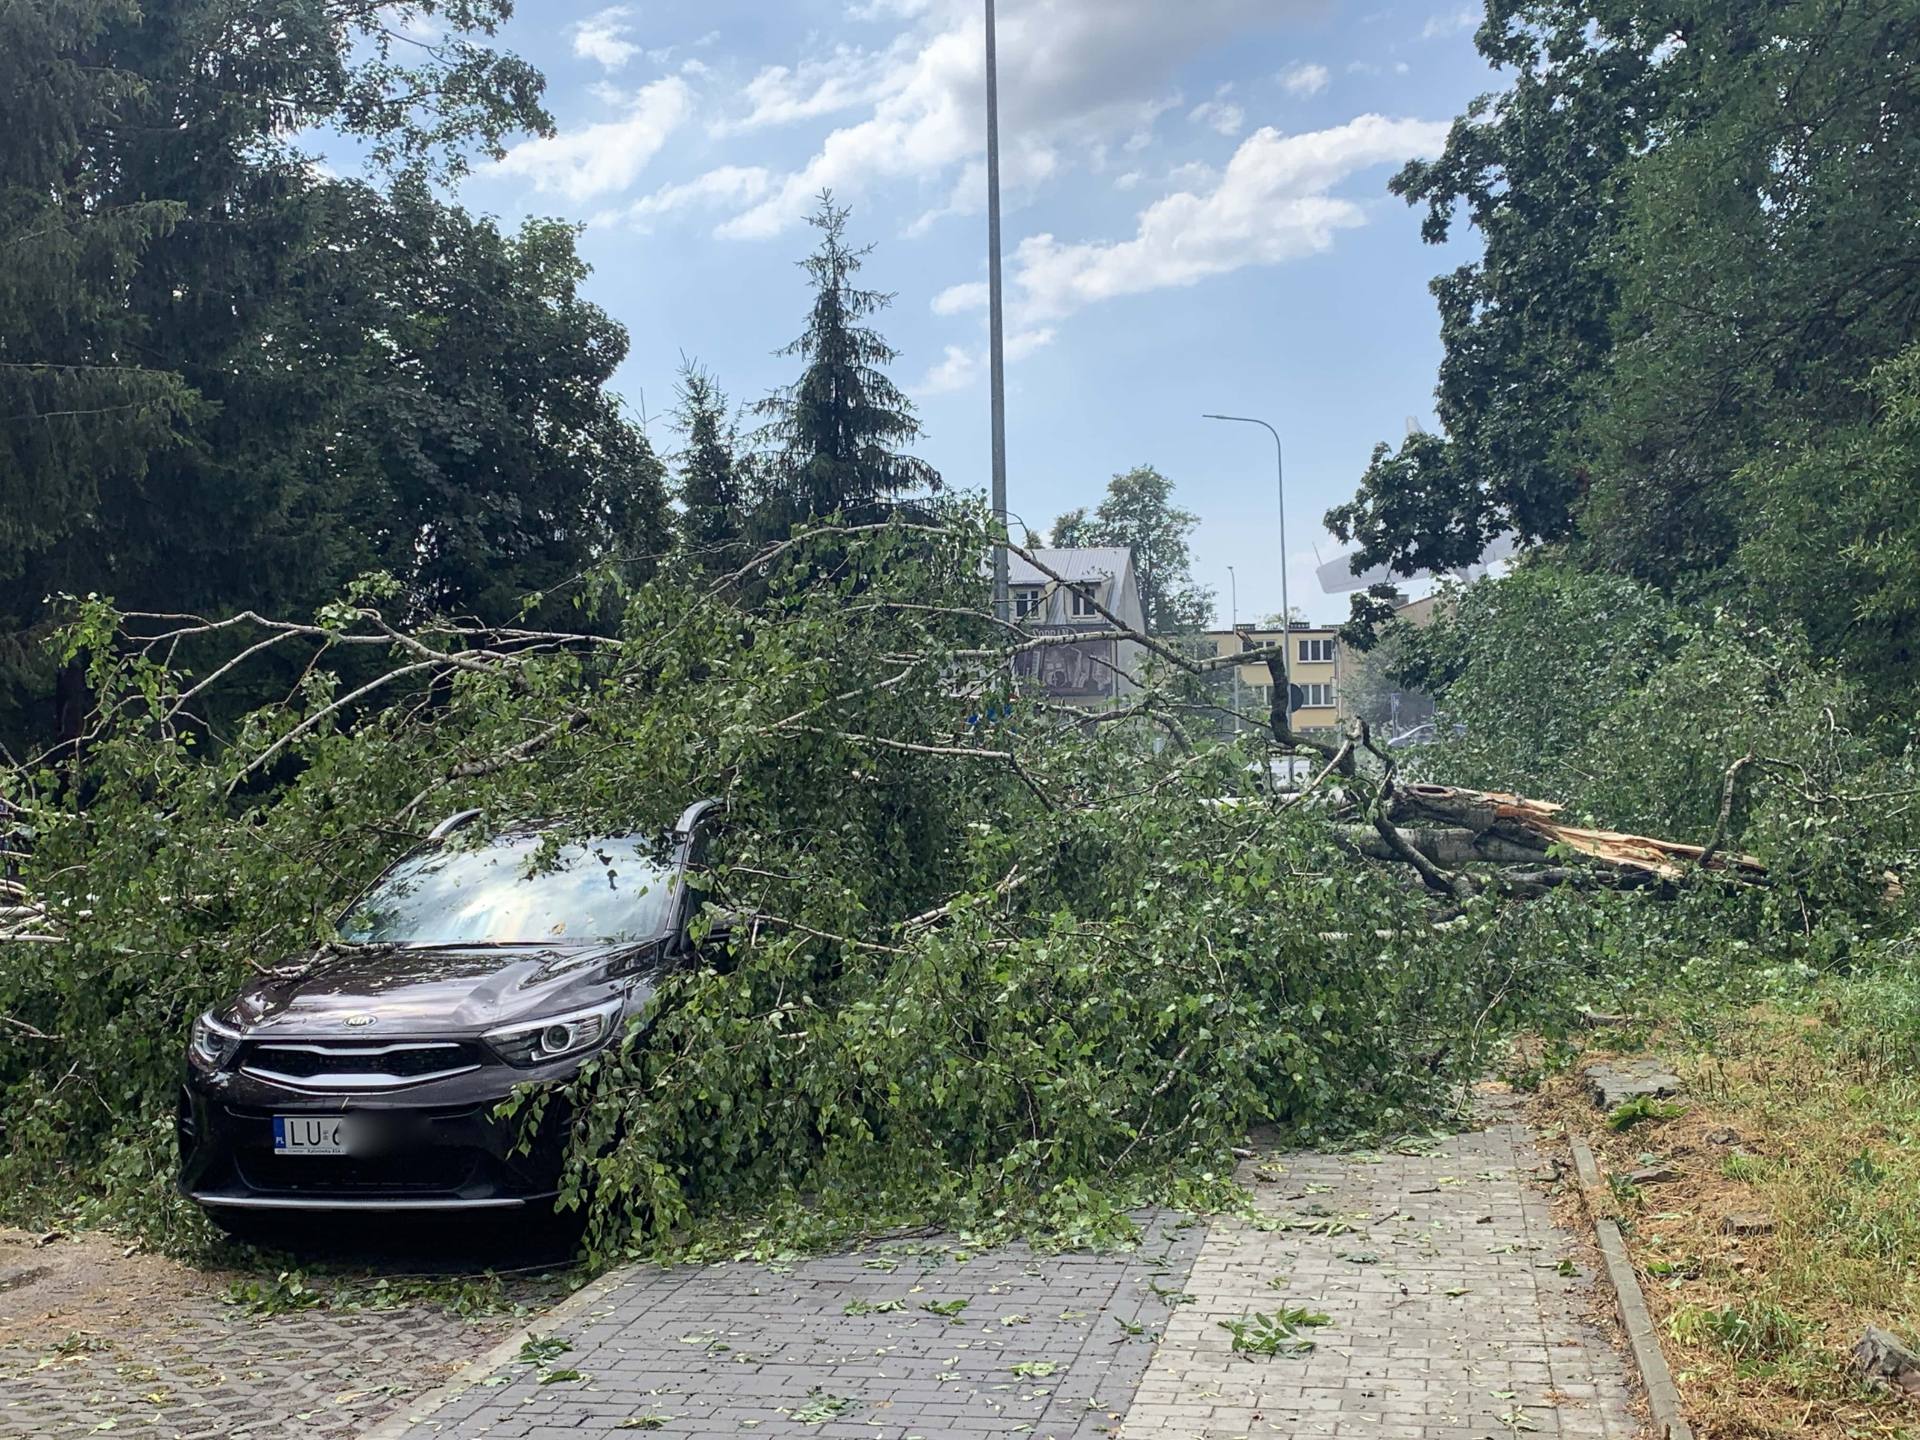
column 372, row 990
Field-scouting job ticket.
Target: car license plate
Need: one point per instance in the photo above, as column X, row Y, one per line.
column 309, row 1134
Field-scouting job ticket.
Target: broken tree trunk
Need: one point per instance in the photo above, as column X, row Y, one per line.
column 1499, row 822
column 1448, row 845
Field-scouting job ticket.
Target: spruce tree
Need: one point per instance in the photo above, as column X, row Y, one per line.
column 711, row 483
column 837, row 436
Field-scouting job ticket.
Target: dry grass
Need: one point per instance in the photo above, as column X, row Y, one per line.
column 1825, row 1140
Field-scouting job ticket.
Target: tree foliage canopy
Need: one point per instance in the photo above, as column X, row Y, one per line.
column 1138, row 513
column 228, row 379
column 1700, row 284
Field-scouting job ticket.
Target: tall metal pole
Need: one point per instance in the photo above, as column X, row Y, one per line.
column 1284, row 701
column 997, row 342
column 1233, row 631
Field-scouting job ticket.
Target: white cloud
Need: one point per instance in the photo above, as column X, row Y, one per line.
column 1025, row 342
column 602, row 38
column 1272, row 204
column 1453, row 22
column 413, row 24
column 607, row 156
column 728, row 185
column 958, row 369
column 956, row 299
column 961, row 367
column 1221, row 115
column 1024, row 166
column 1305, row 80
column 1128, row 181
column 889, row 9
column 781, row 94
column 1074, row 73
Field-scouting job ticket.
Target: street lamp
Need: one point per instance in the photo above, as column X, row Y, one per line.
column 1285, row 698
column 1233, row 631
column 997, row 364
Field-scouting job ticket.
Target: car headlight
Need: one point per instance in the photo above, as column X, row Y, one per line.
column 536, row 1042
column 213, row 1045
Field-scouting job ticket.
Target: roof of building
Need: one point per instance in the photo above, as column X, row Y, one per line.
column 1085, row 562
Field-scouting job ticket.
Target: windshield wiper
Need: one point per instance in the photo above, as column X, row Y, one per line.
column 485, row 944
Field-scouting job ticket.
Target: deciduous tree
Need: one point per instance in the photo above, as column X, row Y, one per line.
column 228, row 379
column 1138, row 512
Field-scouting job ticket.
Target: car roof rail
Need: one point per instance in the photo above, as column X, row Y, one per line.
column 694, row 814
column 452, row 823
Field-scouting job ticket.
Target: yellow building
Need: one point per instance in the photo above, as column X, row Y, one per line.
column 1313, row 661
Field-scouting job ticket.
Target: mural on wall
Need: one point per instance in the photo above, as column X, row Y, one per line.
column 1068, row 672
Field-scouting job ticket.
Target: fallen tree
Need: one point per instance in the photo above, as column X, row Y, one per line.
column 1461, row 829
column 1003, row 963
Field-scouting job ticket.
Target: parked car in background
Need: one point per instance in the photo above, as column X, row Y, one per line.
column 1428, row 732
column 364, row 1077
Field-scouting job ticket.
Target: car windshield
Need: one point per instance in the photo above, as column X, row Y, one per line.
column 501, row 894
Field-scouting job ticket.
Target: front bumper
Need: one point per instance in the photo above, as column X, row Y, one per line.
column 415, row 1153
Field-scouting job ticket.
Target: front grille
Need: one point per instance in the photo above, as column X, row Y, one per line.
column 345, row 1065
column 422, row 1170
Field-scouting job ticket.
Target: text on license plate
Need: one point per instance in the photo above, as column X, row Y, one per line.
column 309, row 1135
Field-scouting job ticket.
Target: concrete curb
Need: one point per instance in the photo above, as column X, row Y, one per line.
column 1663, row 1398
column 423, row 1407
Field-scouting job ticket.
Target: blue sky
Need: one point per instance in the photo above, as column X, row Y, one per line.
column 1196, row 220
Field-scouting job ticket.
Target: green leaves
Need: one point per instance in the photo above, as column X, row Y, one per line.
column 1274, row 1332
column 1004, row 1002
column 1684, row 351
column 820, row 1407
column 1642, row 1108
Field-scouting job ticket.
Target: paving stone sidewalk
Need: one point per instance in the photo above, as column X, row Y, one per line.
column 908, row 1338
column 1457, row 1307
column 198, row 1369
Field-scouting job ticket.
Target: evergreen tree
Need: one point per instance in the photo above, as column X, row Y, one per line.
column 837, row 436
column 712, row 495
column 79, row 400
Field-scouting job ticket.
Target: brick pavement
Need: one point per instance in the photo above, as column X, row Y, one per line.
column 198, row 1369
column 859, row 1344
column 1456, row 1307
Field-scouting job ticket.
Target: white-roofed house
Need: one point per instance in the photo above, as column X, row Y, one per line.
column 1092, row 578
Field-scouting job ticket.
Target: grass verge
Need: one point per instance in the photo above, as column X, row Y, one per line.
column 1777, row 1213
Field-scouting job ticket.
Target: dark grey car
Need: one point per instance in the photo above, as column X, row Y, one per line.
column 365, row 1076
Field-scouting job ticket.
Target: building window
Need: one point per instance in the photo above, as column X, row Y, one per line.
column 1026, row 601
column 1318, row 697
column 1083, row 607
column 1317, row 652
column 1259, row 698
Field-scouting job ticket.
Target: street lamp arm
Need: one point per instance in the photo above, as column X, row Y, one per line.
column 1286, row 603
